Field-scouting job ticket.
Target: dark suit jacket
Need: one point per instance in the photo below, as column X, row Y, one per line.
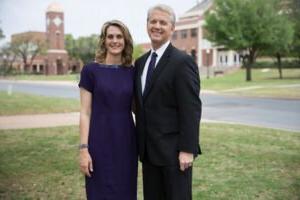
column 169, row 112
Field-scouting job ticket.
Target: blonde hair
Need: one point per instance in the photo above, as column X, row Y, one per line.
column 163, row 8
column 101, row 50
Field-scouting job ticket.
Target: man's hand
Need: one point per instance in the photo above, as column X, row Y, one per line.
column 185, row 160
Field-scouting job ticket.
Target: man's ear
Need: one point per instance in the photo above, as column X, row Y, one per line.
column 173, row 28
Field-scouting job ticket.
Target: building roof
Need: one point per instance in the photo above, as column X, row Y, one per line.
column 202, row 5
column 198, row 10
column 32, row 35
column 54, row 7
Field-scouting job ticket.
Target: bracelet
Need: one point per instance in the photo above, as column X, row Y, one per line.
column 83, row 146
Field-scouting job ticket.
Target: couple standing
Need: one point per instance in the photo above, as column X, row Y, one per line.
column 164, row 84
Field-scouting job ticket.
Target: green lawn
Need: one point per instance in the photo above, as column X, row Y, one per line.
column 239, row 162
column 19, row 103
column 263, row 84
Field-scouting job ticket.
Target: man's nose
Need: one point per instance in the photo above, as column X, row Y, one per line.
column 156, row 25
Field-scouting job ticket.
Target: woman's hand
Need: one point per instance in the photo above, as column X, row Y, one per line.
column 86, row 164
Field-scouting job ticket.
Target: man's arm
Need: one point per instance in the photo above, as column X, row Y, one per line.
column 187, row 86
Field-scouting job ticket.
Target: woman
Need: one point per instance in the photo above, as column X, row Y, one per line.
column 108, row 156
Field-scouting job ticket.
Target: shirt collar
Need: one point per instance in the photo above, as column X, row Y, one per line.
column 161, row 49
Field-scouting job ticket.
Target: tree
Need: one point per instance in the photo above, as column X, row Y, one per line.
column 1, row 34
column 295, row 16
column 282, row 40
column 137, row 51
column 70, row 44
column 86, row 47
column 27, row 47
column 83, row 48
column 243, row 25
column 8, row 58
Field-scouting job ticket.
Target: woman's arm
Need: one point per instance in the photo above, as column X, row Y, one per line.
column 86, row 165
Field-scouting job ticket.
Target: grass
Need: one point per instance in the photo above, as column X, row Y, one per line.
column 271, row 92
column 265, row 83
column 19, row 103
column 239, row 163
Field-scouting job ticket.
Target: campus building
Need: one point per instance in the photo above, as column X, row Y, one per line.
column 189, row 36
column 55, row 59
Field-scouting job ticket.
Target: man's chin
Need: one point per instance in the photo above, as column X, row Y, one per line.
column 156, row 40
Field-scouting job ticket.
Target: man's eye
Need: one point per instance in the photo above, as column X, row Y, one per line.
column 163, row 22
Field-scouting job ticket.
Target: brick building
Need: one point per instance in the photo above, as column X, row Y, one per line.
column 189, row 37
column 55, row 59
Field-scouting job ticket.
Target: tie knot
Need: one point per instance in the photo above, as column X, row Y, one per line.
column 154, row 55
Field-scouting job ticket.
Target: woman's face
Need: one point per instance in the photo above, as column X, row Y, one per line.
column 114, row 41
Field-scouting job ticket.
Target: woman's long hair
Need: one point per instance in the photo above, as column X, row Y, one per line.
column 101, row 50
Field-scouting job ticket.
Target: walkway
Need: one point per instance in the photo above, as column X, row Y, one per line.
column 38, row 121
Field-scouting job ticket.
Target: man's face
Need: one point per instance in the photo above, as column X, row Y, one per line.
column 160, row 28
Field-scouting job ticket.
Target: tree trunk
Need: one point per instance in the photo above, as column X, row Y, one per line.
column 250, row 61
column 27, row 68
column 248, row 71
column 278, row 56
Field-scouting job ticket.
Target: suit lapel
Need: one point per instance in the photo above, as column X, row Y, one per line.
column 158, row 69
column 140, row 69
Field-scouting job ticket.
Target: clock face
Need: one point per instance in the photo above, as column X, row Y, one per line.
column 57, row 21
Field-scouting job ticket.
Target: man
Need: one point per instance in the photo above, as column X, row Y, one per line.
column 168, row 112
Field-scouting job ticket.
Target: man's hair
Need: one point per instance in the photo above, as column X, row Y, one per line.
column 163, row 8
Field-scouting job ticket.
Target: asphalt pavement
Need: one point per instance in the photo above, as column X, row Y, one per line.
column 217, row 107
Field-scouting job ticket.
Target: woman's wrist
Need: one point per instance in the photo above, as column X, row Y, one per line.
column 83, row 146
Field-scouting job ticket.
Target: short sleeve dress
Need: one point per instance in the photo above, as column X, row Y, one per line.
column 112, row 137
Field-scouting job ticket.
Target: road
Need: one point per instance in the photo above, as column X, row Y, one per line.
column 263, row 112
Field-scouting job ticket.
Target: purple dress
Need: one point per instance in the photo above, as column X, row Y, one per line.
column 112, row 139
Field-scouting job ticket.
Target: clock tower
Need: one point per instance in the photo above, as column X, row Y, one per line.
column 57, row 55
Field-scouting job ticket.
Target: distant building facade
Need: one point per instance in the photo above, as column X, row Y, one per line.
column 189, row 36
column 55, row 60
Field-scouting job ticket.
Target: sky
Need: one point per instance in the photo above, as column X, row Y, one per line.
column 83, row 17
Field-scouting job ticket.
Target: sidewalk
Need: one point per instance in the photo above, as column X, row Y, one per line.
column 38, row 121
column 65, row 119
column 41, row 82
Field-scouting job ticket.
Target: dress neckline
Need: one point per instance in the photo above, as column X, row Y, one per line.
column 108, row 66
column 111, row 66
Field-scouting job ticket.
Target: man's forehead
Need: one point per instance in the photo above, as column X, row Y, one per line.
column 157, row 11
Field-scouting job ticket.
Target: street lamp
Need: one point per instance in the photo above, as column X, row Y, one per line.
column 207, row 63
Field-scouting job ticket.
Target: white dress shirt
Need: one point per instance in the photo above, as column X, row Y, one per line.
column 160, row 51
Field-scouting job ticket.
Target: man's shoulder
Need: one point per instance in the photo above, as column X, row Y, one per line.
column 142, row 57
column 180, row 54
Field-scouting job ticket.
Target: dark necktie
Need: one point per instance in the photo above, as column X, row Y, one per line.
column 151, row 67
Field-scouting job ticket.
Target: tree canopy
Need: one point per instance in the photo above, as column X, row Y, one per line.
column 82, row 48
column 27, row 47
column 1, row 34
column 249, row 26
